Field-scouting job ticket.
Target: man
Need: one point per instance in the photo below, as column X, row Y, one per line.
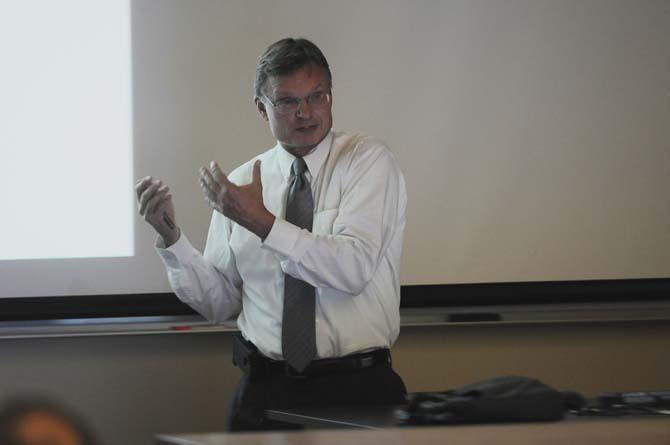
column 304, row 244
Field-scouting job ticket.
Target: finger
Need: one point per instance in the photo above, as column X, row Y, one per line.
column 141, row 185
column 163, row 189
column 218, row 174
column 208, row 186
column 212, row 204
column 147, row 194
column 256, row 175
column 153, row 203
column 157, row 203
column 209, row 180
column 209, row 197
column 161, row 193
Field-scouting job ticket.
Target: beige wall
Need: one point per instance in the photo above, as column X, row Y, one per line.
column 532, row 134
column 589, row 358
column 130, row 387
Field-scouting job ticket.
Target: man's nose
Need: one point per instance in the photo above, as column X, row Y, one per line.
column 304, row 108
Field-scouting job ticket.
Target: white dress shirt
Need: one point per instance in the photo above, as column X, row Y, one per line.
column 351, row 257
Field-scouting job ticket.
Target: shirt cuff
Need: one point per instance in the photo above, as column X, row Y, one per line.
column 177, row 253
column 283, row 239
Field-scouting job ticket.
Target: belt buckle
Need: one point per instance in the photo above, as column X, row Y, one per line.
column 366, row 362
column 292, row 373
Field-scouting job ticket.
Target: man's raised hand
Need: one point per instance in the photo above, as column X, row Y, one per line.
column 243, row 204
column 154, row 203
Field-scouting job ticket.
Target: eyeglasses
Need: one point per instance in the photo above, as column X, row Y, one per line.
column 289, row 105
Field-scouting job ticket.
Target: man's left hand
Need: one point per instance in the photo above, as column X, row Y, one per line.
column 243, row 204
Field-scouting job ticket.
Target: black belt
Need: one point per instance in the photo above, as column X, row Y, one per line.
column 247, row 358
column 332, row 365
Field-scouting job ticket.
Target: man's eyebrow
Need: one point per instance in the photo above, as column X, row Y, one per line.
column 282, row 95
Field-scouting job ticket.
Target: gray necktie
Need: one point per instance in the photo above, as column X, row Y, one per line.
column 298, row 331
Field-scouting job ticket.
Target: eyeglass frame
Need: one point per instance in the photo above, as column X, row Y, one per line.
column 298, row 101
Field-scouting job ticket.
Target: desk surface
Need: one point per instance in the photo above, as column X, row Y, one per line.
column 647, row 431
column 374, row 417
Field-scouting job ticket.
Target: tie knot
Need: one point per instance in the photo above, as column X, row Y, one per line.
column 298, row 167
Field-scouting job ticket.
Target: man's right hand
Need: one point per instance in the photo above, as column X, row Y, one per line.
column 155, row 205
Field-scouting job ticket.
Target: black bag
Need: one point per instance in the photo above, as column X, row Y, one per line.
column 502, row 399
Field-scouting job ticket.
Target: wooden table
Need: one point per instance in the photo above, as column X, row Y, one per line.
column 591, row 431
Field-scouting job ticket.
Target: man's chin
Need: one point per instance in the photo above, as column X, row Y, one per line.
column 301, row 146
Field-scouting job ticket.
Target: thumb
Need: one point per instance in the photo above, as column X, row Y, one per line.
column 256, row 175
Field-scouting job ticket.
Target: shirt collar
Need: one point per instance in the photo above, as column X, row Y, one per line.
column 314, row 159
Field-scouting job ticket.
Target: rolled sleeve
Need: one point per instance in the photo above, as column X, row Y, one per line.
column 283, row 240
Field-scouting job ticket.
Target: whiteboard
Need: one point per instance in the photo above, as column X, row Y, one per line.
column 534, row 135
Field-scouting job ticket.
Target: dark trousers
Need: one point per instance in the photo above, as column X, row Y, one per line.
column 376, row 385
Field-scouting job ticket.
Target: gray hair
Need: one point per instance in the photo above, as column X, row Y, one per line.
column 285, row 57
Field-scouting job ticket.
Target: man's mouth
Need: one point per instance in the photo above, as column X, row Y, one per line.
column 307, row 128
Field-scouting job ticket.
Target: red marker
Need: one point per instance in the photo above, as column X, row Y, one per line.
column 180, row 328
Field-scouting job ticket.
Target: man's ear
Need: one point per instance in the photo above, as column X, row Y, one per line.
column 260, row 106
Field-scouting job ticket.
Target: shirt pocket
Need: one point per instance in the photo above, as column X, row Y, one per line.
column 323, row 221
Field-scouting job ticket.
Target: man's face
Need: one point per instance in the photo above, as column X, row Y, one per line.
column 300, row 131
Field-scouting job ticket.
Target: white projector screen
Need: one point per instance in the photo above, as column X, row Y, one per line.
column 66, row 130
column 534, row 135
